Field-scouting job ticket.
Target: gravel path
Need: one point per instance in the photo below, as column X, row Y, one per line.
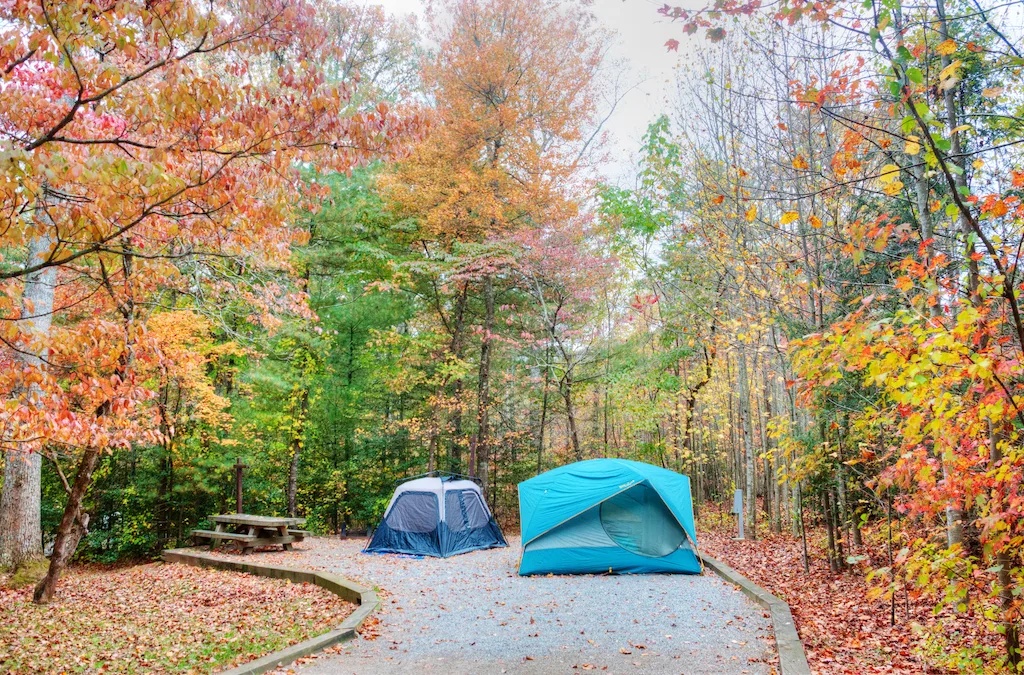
column 472, row 614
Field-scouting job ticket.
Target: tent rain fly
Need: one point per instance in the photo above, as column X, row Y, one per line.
column 607, row 515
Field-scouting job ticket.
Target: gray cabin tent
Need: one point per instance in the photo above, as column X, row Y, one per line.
column 437, row 515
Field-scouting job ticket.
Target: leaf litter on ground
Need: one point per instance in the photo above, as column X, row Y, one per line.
column 159, row 618
column 844, row 631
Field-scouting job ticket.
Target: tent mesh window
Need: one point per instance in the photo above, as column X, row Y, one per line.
column 454, row 513
column 475, row 511
column 638, row 521
column 463, row 510
column 414, row 512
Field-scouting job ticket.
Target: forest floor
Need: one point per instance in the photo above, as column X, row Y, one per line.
column 843, row 630
column 473, row 614
column 159, row 618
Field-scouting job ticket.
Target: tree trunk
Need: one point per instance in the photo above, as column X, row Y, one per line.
column 457, row 346
column 772, row 487
column 73, row 524
column 954, row 516
column 544, row 409
column 746, row 434
column 432, row 452
column 787, row 503
column 607, row 405
column 956, row 156
column 21, row 537
column 165, row 484
column 165, row 495
column 484, row 387
column 455, row 458
column 72, row 527
column 20, row 528
column 760, row 412
column 826, row 505
column 840, row 553
column 677, row 415
column 570, row 412
column 297, row 444
column 803, row 526
column 734, row 451
column 843, row 517
column 1004, row 561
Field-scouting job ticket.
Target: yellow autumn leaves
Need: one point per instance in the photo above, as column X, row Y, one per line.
column 889, row 177
column 787, row 217
column 948, row 77
column 792, row 216
column 799, row 162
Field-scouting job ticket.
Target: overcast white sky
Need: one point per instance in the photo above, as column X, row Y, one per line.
column 642, row 33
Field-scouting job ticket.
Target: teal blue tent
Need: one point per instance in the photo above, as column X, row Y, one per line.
column 607, row 515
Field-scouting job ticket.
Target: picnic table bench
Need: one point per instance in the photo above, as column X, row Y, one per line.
column 247, row 532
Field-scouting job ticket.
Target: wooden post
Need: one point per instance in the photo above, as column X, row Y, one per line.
column 238, row 484
column 737, row 508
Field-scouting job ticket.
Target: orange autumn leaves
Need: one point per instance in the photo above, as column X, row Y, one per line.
column 166, row 173
column 507, row 133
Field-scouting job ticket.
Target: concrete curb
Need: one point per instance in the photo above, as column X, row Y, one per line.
column 364, row 597
column 792, row 659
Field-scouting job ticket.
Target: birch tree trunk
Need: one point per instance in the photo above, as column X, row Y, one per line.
column 954, row 516
column 746, row 433
column 20, row 527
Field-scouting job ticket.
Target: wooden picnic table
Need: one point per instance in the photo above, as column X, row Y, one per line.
column 247, row 531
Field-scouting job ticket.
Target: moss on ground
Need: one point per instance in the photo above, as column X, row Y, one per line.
column 30, row 572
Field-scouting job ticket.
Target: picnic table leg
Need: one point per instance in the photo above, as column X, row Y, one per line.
column 219, row 527
column 249, row 549
column 283, row 531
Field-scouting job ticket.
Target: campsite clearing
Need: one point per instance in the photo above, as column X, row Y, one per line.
column 473, row 614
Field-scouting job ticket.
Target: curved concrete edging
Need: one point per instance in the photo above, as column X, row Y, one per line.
column 792, row 659
column 364, row 597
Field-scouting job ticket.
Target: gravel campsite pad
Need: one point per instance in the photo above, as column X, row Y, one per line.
column 473, row 614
